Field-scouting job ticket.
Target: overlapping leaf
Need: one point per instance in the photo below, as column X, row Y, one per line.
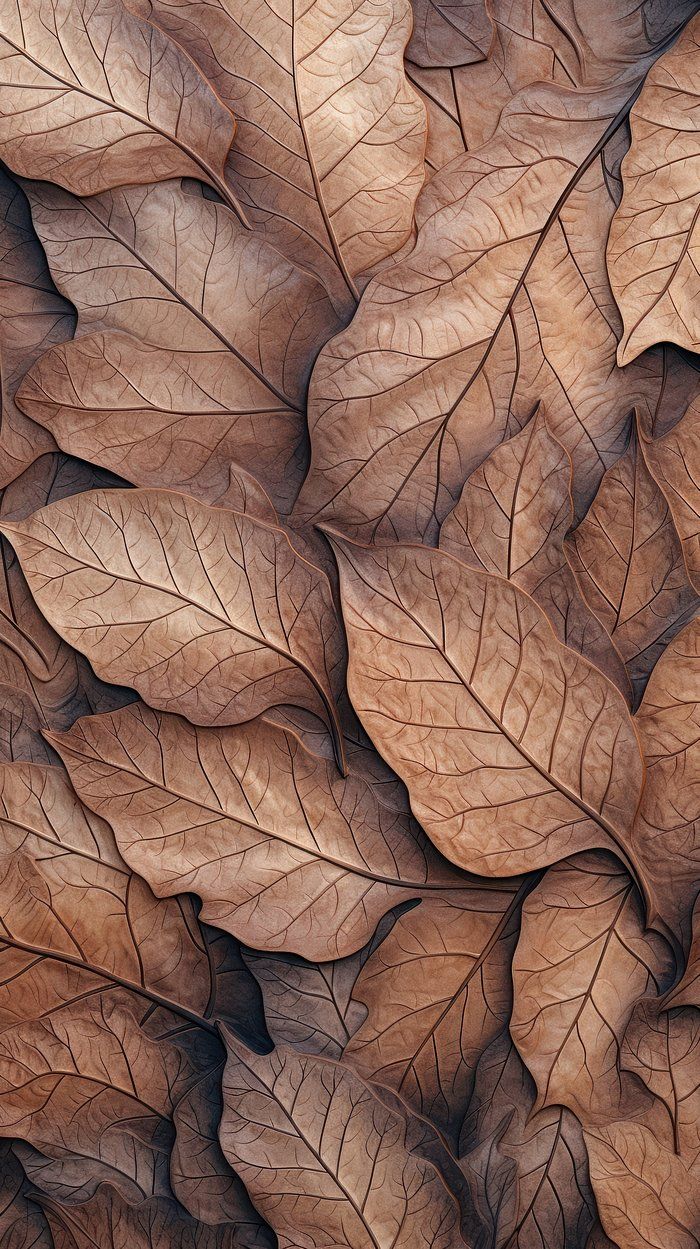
column 329, row 145
column 284, row 853
column 171, row 378
column 325, row 1160
column 205, row 612
column 92, row 96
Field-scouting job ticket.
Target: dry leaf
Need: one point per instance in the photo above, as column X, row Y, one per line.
column 93, row 95
column 583, row 960
column 325, row 1161
column 284, row 853
column 662, row 1047
column 205, row 612
column 653, row 244
column 33, row 316
column 527, row 1170
column 629, row 564
column 516, row 751
column 437, row 991
column 328, row 157
column 171, row 379
column 22, row 1221
column 673, row 459
column 512, row 518
column 665, row 835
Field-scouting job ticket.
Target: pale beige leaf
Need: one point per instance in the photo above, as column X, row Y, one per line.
column 205, row 612
column 93, row 96
column 654, row 244
column 325, row 1161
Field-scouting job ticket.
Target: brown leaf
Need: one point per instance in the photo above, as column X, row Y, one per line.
column 673, row 459
column 528, row 1171
column 502, row 303
column 23, row 1224
column 311, row 1006
column 628, row 560
column 325, row 1161
column 666, row 835
column 653, row 244
column 515, row 750
column 329, row 145
column 512, row 518
column 158, row 1223
column 583, row 960
column 33, row 316
column 687, row 991
column 92, row 95
column 437, row 991
column 171, row 379
column 206, row 612
column 284, row 853
column 646, row 1195
column 662, row 1047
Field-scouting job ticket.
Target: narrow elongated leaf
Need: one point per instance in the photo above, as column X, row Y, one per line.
column 583, row 959
column 437, row 991
column 325, row 1160
column 206, row 612
column 283, row 852
column 329, row 145
column 91, row 94
column 673, row 459
column 629, row 563
column 515, row 750
column 666, row 834
column 172, row 378
column 653, row 244
column 511, row 519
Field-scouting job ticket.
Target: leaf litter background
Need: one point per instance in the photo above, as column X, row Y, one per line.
column 349, row 632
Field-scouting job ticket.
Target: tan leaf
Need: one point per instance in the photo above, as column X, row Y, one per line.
column 325, row 1161
column 673, row 459
column 647, row 1196
column 158, row 1223
column 662, row 1047
column 512, row 518
column 172, row 379
column 666, row 836
column 207, row 612
column 527, row 1170
column 502, row 303
column 583, row 960
column 437, row 990
column 629, row 563
column 516, row 751
column 329, row 144
column 653, row 244
column 33, row 316
column 283, row 852
column 92, row 95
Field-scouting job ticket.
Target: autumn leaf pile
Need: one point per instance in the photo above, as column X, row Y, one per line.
column 349, row 624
